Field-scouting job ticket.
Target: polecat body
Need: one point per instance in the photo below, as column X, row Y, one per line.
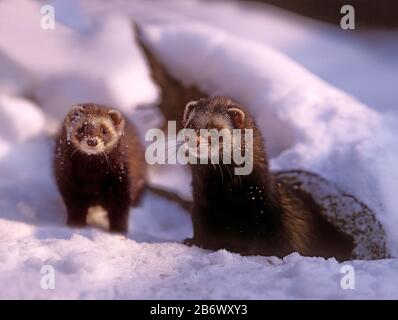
column 99, row 161
column 252, row 214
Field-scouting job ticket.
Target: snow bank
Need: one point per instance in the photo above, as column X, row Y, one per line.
column 27, row 190
column 95, row 265
column 14, row 78
column 76, row 62
column 351, row 61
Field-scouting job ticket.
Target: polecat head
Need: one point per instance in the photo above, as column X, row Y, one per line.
column 93, row 129
column 214, row 113
column 219, row 116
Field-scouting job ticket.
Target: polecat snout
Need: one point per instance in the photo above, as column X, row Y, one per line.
column 252, row 214
column 99, row 161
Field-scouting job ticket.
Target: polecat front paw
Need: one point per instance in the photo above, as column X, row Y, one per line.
column 188, row 242
column 76, row 222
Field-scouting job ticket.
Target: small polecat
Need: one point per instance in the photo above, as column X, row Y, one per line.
column 252, row 214
column 99, row 161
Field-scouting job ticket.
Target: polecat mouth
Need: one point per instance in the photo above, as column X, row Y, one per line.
column 92, row 146
column 209, row 144
column 205, row 150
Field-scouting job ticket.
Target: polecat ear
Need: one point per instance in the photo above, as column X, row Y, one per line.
column 117, row 118
column 237, row 116
column 188, row 109
column 76, row 111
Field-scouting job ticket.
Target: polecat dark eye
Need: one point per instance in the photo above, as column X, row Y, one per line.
column 104, row 131
column 80, row 131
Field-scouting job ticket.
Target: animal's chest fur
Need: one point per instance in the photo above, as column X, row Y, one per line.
column 239, row 207
column 95, row 177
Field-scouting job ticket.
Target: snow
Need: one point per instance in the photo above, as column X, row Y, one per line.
column 73, row 65
column 308, row 124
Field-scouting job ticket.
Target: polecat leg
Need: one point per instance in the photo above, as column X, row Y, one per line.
column 195, row 241
column 76, row 210
column 77, row 221
column 117, row 206
column 118, row 222
column 189, row 242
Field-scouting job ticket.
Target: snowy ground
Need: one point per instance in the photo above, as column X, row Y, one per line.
column 271, row 62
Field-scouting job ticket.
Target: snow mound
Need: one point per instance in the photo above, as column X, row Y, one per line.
column 20, row 119
column 14, row 78
column 27, row 190
column 92, row 59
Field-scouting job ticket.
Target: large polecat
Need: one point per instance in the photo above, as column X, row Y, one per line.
column 99, row 161
column 252, row 214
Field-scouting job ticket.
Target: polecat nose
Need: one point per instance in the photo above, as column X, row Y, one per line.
column 92, row 142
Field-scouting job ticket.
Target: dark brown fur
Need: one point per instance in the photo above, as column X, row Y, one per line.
column 255, row 214
column 114, row 180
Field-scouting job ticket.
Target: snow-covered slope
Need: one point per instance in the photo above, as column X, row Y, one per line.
column 353, row 61
column 90, row 61
column 91, row 56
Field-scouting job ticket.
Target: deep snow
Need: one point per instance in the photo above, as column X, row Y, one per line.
column 307, row 123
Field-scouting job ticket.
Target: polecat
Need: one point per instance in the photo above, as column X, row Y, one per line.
column 252, row 214
column 99, row 161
